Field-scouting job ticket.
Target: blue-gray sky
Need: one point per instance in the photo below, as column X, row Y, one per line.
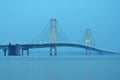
column 22, row 20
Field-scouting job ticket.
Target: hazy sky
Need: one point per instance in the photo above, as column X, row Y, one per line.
column 22, row 20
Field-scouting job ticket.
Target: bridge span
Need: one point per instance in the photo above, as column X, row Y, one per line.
column 15, row 49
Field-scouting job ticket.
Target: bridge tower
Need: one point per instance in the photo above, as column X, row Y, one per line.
column 53, row 36
column 88, row 40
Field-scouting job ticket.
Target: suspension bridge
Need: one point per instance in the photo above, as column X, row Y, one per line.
column 56, row 39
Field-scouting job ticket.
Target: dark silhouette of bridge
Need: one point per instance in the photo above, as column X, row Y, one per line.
column 14, row 50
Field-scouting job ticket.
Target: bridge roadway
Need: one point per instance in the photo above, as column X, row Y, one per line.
column 47, row 45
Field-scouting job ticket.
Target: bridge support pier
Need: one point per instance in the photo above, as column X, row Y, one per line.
column 51, row 51
column 101, row 53
column 55, row 53
column 5, row 50
column 26, row 50
column 87, row 51
column 13, row 50
column 22, row 52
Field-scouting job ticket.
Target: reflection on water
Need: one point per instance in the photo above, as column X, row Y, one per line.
column 60, row 68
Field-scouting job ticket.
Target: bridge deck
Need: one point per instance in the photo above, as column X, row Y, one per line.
column 32, row 46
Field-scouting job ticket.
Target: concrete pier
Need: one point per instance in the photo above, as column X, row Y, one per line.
column 13, row 50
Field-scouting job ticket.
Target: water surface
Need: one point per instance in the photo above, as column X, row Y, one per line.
column 60, row 68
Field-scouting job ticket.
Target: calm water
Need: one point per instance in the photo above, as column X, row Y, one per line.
column 60, row 68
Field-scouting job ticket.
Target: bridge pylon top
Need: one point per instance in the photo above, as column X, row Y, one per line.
column 53, row 31
column 88, row 37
